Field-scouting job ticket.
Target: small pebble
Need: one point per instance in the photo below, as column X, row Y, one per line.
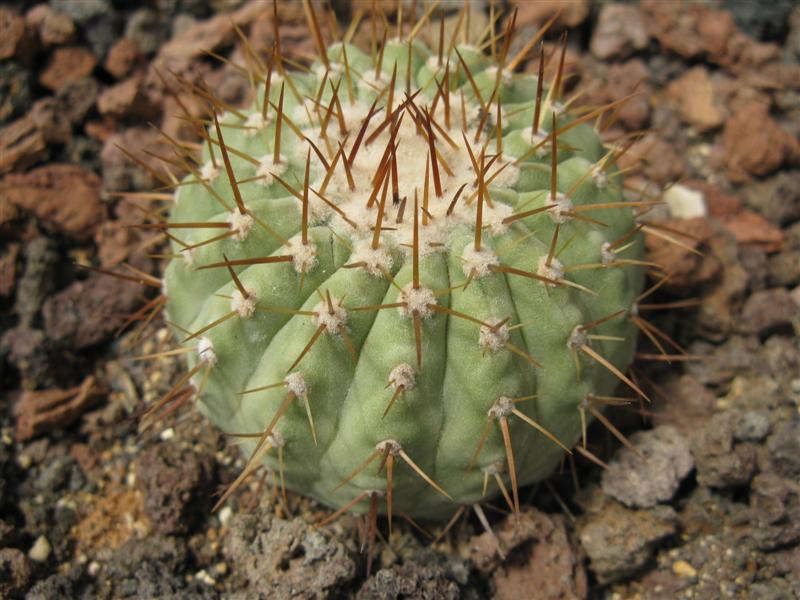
column 203, row 576
column 684, row 202
column 225, row 516
column 167, row 434
column 40, row 551
column 683, row 569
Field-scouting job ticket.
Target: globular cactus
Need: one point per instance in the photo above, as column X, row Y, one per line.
column 407, row 279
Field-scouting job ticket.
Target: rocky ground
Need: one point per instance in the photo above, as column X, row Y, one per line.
column 704, row 504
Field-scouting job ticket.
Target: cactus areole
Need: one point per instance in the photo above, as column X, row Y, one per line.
column 408, row 278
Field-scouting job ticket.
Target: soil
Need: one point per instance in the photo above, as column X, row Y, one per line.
column 701, row 501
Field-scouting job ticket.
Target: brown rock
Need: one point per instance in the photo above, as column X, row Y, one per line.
column 694, row 95
column 749, row 227
column 21, row 145
column 619, row 540
column 83, row 454
column 625, row 79
column 66, row 198
column 545, row 562
column 211, row 34
column 754, row 144
column 115, row 241
column 747, row 53
column 718, row 203
column 40, row 412
column 659, row 161
column 77, row 98
column 675, row 245
column 52, row 121
column 120, row 172
column 89, row 311
column 674, row 26
column 573, row 12
column 122, row 57
column 126, row 99
column 54, row 28
column 715, row 29
column 68, row 63
column 8, row 269
column 715, row 317
column 620, row 30
column 173, row 481
column 15, row 39
column 109, row 520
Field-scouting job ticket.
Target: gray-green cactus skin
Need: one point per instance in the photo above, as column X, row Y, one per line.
column 488, row 360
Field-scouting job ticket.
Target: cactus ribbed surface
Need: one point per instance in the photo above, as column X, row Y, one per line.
column 406, row 294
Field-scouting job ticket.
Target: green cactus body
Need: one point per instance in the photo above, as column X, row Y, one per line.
column 424, row 353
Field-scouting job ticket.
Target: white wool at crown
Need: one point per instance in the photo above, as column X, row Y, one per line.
column 412, row 155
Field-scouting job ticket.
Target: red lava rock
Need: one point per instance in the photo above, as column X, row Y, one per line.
column 8, row 269
column 621, row 29
column 54, row 28
column 88, row 311
column 15, row 39
column 66, row 198
column 694, row 95
column 42, row 411
column 68, row 63
column 752, row 228
column 122, row 57
column 687, row 268
column 660, row 163
column 573, row 12
column 754, row 144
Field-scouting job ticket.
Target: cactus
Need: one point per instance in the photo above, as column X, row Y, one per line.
column 405, row 281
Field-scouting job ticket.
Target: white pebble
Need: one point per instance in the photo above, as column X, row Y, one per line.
column 40, row 551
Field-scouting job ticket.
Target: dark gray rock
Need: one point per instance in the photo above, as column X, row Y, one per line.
column 721, row 463
column 411, row 580
column 288, row 559
column 15, row 90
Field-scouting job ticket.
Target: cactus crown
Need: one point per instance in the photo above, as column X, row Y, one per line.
column 404, row 279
